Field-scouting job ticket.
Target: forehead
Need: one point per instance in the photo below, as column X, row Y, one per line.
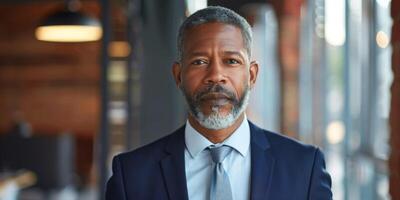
column 213, row 35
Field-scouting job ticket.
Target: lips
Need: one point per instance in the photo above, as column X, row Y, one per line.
column 216, row 99
column 214, row 96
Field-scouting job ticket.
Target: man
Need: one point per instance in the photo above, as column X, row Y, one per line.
column 218, row 154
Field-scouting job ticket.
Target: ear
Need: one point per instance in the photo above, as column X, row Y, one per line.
column 253, row 73
column 176, row 72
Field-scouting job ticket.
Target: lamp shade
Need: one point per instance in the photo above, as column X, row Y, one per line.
column 69, row 26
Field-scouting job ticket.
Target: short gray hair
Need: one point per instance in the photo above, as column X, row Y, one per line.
column 215, row 14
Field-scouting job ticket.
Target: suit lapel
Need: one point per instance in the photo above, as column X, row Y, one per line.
column 173, row 166
column 262, row 164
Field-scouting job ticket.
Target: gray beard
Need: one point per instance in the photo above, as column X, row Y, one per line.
column 216, row 121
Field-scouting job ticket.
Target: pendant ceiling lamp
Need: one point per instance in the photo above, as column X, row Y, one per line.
column 69, row 25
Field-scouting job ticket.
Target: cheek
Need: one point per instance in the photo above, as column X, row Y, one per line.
column 240, row 80
column 192, row 77
column 190, row 81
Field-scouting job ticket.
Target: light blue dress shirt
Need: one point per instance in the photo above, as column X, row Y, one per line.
column 198, row 163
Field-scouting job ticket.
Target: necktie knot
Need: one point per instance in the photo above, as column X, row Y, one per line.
column 218, row 154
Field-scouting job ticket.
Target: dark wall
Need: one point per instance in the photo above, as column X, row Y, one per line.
column 162, row 105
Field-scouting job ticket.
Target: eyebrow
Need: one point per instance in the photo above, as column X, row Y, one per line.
column 197, row 53
column 238, row 53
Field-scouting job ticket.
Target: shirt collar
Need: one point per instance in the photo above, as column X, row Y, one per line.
column 239, row 140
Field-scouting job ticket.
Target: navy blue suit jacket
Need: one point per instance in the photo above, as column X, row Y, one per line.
column 281, row 169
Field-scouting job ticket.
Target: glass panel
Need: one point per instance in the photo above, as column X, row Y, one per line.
column 264, row 105
column 384, row 78
column 349, row 77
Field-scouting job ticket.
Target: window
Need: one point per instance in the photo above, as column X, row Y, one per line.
column 344, row 92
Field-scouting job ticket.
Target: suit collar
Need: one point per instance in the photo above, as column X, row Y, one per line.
column 262, row 163
column 173, row 166
column 258, row 137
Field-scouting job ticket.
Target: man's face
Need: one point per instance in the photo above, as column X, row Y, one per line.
column 215, row 74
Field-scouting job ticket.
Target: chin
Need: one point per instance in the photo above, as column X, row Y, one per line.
column 216, row 120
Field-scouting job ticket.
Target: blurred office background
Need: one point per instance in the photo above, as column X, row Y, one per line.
column 330, row 76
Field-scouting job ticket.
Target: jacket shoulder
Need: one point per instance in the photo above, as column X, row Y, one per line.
column 282, row 144
column 277, row 139
column 152, row 151
column 298, row 166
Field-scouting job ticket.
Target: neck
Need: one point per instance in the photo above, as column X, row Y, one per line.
column 215, row 136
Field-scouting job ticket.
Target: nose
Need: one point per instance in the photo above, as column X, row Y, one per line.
column 215, row 74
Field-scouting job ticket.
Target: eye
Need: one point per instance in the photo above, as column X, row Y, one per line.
column 199, row 62
column 232, row 61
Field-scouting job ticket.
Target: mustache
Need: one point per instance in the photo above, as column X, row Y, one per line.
column 215, row 89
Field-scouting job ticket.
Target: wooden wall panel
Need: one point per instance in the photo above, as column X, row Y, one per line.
column 394, row 160
column 54, row 85
column 52, row 109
